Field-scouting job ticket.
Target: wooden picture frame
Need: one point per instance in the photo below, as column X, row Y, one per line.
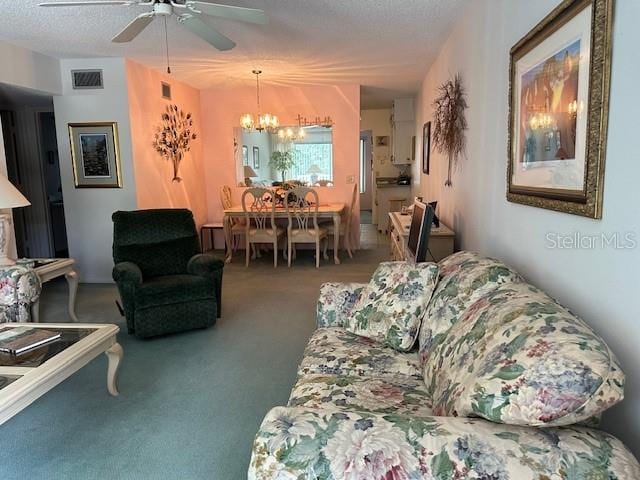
column 426, row 147
column 256, row 157
column 558, row 109
column 95, row 155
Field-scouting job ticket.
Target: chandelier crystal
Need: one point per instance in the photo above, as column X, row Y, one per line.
column 262, row 121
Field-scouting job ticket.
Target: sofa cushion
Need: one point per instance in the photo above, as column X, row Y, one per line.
column 309, row 444
column 336, row 351
column 335, row 303
column 391, row 306
column 518, row 357
column 395, row 395
column 174, row 289
column 464, row 278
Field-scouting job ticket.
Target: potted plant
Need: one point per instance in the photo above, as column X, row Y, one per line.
column 282, row 161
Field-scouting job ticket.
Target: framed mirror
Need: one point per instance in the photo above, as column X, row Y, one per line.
column 300, row 154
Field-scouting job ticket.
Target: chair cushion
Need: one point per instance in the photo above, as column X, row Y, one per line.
column 173, row 289
column 516, row 356
column 336, row 351
column 168, row 257
column 394, row 395
column 464, row 278
column 391, row 307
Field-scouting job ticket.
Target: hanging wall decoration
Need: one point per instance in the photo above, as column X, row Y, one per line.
column 559, row 103
column 173, row 137
column 450, row 124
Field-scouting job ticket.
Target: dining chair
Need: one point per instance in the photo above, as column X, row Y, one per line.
column 237, row 226
column 345, row 223
column 302, row 213
column 259, row 208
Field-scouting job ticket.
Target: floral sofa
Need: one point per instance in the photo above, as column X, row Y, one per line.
column 501, row 385
column 19, row 290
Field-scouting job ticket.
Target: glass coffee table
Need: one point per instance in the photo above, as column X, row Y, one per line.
column 28, row 376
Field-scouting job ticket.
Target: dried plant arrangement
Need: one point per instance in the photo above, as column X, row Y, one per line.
column 449, row 123
column 173, row 137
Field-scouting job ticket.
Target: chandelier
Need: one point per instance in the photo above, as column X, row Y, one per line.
column 262, row 121
column 290, row 134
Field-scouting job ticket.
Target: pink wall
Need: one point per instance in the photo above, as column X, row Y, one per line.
column 153, row 174
column 221, row 110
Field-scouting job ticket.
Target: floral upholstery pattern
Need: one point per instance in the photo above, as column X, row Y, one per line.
column 301, row 443
column 518, row 357
column 19, row 289
column 400, row 395
column 464, row 278
column 391, row 307
column 335, row 303
column 336, row 351
column 494, row 347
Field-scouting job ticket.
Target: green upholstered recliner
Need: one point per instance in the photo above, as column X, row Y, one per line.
column 166, row 285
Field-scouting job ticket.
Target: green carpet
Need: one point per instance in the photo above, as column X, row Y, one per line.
column 190, row 403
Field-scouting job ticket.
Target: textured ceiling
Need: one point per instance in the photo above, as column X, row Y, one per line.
column 383, row 45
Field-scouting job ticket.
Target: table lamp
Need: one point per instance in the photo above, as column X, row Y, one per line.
column 314, row 170
column 248, row 174
column 10, row 197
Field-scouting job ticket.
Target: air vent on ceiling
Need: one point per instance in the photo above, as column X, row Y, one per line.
column 166, row 90
column 86, row 79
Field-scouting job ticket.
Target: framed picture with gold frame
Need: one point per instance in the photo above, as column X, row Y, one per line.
column 95, row 155
column 558, row 109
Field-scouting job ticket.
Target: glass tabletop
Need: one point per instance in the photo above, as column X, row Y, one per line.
column 37, row 356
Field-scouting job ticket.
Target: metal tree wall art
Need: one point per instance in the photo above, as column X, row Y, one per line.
column 173, row 137
column 449, row 123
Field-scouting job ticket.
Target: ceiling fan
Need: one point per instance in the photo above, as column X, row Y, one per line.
column 188, row 14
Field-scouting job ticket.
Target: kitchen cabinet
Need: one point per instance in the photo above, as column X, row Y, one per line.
column 402, row 131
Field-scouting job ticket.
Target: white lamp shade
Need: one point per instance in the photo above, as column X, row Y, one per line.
column 10, row 196
column 249, row 172
column 314, row 169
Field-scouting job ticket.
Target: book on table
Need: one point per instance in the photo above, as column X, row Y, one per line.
column 17, row 340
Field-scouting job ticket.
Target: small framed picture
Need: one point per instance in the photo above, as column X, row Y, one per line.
column 256, row 157
column 95, row 155
column 426, row 147
column 245, row 155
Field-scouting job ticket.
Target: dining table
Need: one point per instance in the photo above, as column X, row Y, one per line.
column 333, row 211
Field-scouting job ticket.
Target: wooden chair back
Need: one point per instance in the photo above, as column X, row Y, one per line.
column 302, row 208
column 225, row 197
column 259, row 208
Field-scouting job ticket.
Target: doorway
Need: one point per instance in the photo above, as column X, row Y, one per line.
column 366, row 166
column 30, row 144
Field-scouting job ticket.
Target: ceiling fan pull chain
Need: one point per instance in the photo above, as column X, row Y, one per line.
column 166, row 43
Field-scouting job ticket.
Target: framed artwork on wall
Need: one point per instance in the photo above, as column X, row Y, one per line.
column 558, row 99
column 256, row 157
column 245, row 155
column 426, row 147
column 95, row 155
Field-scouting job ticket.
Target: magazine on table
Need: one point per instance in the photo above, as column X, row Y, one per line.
column 17, row 340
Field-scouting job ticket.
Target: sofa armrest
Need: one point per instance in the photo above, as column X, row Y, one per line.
column 335, row 303
column 295, row 442
column 207, row 265
column 127, row 272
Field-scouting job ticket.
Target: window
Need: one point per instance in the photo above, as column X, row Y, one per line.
column 314, row 161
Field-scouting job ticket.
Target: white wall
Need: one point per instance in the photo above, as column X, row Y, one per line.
column 601, row 284
column 25, row 68
column 88, row 211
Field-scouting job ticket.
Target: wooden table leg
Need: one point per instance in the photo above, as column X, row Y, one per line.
column 72, row 280
column 336, row 237
column 114, row 354
column 226, row 226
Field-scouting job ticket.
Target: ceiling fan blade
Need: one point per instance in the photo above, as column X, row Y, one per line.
column 251, row 15
column 80, row 4
column 207, row 33
column 134, row 28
